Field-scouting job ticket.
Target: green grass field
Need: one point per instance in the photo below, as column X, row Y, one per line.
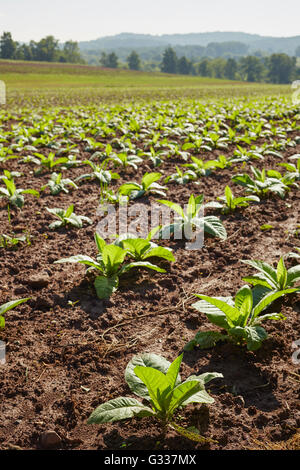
column 29, row 83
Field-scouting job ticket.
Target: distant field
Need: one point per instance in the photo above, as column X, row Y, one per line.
column 62, row 84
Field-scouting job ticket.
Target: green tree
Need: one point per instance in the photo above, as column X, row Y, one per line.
column 47, row 49
column 71, row 52
column 169, row 61
column 184, row 66
column 252, row 69
column 297, row 52
column 7, row 46
column 134, row 62
column 109, row 60
column 281, row 68
column 230, row 69
column 204, row 69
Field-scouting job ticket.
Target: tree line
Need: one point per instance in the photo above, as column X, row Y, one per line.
column 277, row 68
column 45, row 50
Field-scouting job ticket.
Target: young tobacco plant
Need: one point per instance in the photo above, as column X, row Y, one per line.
column 67, row 217
column 109, row 262
column 190, row 219
column 293, row 171
column 9, row 306
column 270, row 279
column 13, row 195
column 261, row 184
column 239, row 317
column 57, row 184
column 99, row 172
column 7, row 241
column 148, row 185
column 49, row 161
column 229, row 203
column 141, row 249
column 180, row 177
column 156, row 381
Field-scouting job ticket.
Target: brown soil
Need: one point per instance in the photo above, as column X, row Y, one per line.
column 62, row 361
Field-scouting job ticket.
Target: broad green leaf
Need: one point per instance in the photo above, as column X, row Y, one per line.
column 106, row 286
column 182, row 393
column 118, row 409
column 205, row 340
column 175, row 207
column 232, row 313
column 150, row 178
column 208, row 376
column 99, row 242
column 156, row 383
column 265, row 269
column 136, row 246
column 146, row 360
column 70, row 210
column 244, row 302
column 173, row 371
column 214, row 226
column 255, row 336
column 141, row 264
column 82, row 259
column 268, row 299
column 269, row 316
column 112, row 257
column 293, row 275
column 127, row 188
column 160, row 252
column 258, row 280
column 229, row 196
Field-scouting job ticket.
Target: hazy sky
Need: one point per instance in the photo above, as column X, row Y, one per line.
column 89, row 19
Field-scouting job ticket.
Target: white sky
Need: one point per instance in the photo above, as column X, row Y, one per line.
column 83, row 20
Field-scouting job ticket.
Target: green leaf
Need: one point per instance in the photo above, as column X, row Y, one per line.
column 145, row 360
column 99, row 242
column 232, row 314
column 173, row 371
column 106, row 286
column 244, row 302
column 118, row 409
column 265, row 269
column 112, row 257
column 150, row 178
column 293, row 275
column 175, row 207
column 82, row 259
column 12, row 304
column 268, row 299
column 281, row 274
column 205, row 340
column 182, row 393
column 255, row 336
column 160, row 252
column 269, row 316
column 156, row 383
column 214, row 226
column 141, row 264
column 127, row 188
